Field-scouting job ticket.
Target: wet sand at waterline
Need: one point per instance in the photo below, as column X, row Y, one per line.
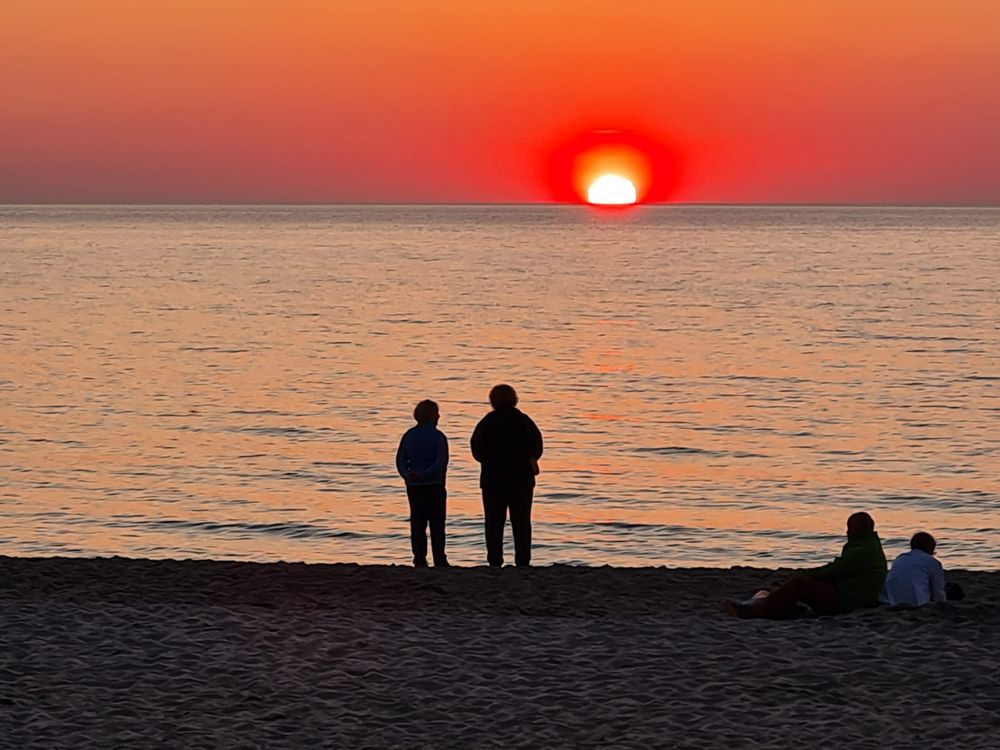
column 99, row 653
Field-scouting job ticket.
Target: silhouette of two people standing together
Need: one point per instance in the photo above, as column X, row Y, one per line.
column 507, row 444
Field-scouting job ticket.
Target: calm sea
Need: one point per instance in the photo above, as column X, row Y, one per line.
column 716, row 385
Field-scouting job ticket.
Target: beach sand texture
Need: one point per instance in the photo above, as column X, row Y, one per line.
column 109, row 653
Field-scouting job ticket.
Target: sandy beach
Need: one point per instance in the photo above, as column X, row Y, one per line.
column 118, row 652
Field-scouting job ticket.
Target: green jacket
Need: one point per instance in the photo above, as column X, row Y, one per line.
column 859, row 572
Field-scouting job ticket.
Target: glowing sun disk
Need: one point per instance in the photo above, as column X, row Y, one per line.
column 611, row 190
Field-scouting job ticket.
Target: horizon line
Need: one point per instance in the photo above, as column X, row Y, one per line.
column 532, row 204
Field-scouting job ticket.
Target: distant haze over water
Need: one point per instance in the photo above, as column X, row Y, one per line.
column 716, row 385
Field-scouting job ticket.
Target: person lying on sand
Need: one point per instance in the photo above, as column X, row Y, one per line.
column 916, row 577
column 851, row 581
column 422, row 461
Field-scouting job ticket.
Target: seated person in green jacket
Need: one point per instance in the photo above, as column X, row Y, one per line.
column 851, row 581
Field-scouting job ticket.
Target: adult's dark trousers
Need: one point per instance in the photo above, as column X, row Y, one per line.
column 428, row 507
column 821, row 596
column 498, row 501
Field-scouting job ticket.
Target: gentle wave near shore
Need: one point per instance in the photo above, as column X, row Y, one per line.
column 116, row 652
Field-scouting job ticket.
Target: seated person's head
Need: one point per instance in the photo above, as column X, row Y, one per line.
column 503, row 397
column 426, row 412
column 860, row 523
column 923, row 542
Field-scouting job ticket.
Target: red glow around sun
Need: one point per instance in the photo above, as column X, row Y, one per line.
column 581, row 159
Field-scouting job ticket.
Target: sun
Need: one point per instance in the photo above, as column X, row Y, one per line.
column 611, row 167
column 611, row 190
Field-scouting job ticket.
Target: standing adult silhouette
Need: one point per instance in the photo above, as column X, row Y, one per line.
column 507, row 444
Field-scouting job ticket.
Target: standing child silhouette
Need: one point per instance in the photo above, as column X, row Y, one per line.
column 422, row 462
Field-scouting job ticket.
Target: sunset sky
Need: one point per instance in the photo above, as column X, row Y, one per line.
column 455, row 101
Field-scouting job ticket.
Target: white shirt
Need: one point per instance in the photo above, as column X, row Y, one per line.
column 915, row 579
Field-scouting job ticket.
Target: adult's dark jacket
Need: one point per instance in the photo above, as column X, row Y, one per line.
column 508, row 444
column 859, row 572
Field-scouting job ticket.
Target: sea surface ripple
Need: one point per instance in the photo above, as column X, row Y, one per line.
column 716, row 385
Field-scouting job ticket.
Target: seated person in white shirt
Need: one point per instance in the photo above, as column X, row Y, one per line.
column 916, row 577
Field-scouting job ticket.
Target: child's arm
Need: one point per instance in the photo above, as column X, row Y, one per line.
column 440, row 458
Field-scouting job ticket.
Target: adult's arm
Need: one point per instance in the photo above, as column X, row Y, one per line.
column 937, row 583
column 402, row 462
column 832, row 571
column 476, row 444
column 845, row 566
column 535, row 436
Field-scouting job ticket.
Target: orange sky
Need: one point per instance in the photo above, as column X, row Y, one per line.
column 449, row 100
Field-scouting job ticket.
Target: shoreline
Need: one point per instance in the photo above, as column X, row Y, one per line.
column 547, row 590
column 119, row 652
